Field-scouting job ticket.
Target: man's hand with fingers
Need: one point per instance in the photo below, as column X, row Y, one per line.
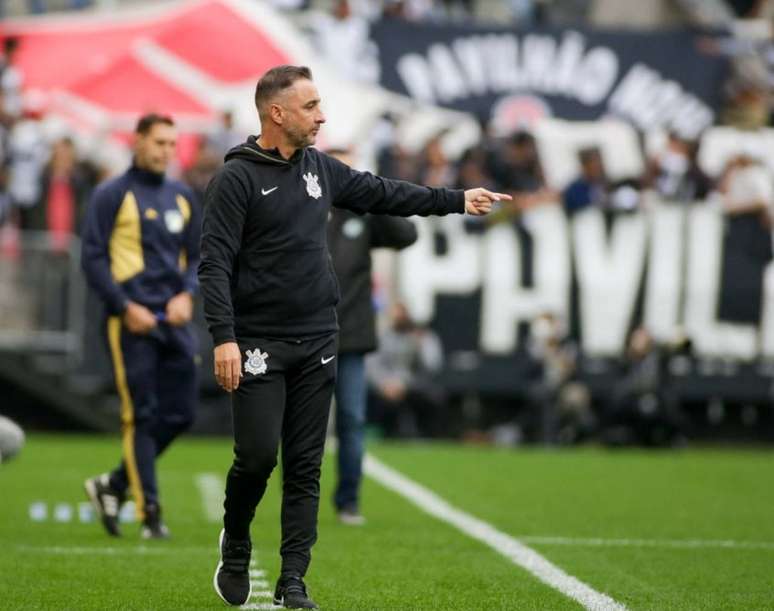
column 479, row 201
column 228, row 366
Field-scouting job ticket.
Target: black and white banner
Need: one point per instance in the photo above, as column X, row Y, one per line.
column 674, row 269
column 653, row 79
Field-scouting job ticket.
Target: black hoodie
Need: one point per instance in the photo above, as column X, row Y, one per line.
column 265, row 271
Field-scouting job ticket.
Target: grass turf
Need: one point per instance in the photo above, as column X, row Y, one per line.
column 404, row 559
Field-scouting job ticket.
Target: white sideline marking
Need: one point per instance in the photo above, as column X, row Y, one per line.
column 259, row 583
column 212, row 490
column 256, row 572
column 673, row 543
column 517, row 552
column 261, row 594
column 260, row 606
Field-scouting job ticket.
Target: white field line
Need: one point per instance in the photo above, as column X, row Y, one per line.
column 521, row 555
column 211, row 489
column 671, row 543
column 258, row 588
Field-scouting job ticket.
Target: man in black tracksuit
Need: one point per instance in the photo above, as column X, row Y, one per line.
column 270, row 297
column 350, row 240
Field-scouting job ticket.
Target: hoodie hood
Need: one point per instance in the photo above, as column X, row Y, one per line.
column 252, row 151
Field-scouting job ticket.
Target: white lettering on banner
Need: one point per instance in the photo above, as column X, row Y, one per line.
column 683, row 247
column 609, row 273
column 596, row 76
column 539, row 54
column 505, row 302
column 650, row 101
column 710, row 337
column 415, row 73
column 664, row 285
column 497, row 63
column 449, row 81
column 423, row 273
column 501, row 56
column 567, row 61
column 472, row 63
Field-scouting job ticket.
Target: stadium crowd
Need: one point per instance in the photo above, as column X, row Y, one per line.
column 45, row 183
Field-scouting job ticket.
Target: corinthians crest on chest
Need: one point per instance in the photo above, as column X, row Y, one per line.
column 313, row 185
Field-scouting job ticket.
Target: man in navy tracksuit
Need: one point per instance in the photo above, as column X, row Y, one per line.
column 270, row 297
column 140, row 254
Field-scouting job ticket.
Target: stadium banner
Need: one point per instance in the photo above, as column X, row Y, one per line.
column 516, row 76
column 679, row 271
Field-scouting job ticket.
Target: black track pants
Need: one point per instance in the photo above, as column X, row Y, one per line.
column 284, row 394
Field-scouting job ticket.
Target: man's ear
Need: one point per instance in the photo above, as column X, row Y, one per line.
column 275, row 111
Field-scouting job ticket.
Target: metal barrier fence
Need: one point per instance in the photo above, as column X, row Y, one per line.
column 42, row 294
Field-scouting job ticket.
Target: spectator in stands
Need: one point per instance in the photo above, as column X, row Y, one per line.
column 591, row 187
column 66, row 186
column 560, row 404
column 225, row 136
column 472, row 170
column 747, row 187
column 342, row 37
column 28, row 153
column 675, row 173
column 206, row 162
column 11, row 79
column 436, row 170
column 517, row 170
column 405, row 398
column 643, row 407
column 748, row 196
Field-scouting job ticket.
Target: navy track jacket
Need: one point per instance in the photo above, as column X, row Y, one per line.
column 141, row 240
column 265, row 270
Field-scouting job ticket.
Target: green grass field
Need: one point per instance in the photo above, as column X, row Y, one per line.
column 646, row 528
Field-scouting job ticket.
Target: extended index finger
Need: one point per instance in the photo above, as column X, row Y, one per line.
column 495, row 196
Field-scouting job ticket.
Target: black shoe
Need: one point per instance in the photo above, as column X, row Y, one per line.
column 106, row 501
column 291, row 593
column 232, row 575
column 152, row 526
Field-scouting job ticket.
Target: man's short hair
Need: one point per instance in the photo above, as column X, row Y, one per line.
column 146, row 122
column 276, row 80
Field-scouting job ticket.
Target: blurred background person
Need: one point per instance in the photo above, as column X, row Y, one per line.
column 675, row 173
column 591, row 187
column 223, row 137
column 350, row 239
column 140, row 254
column 406, row 399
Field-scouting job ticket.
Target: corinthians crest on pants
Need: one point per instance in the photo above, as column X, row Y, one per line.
column 313, row 185
column 256, row 361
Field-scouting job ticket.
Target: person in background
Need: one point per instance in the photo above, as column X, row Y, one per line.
column 223, row 137
column 675, row 173
column 140, row 255
column 747, row 191
column 519, row 172
column 66, row 186
column 11, row 79
column 591, row 187
column 206, row 162
column 350, row 238
column 406, row 398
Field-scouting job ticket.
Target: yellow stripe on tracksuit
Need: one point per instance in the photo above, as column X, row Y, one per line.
column 127, row 414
